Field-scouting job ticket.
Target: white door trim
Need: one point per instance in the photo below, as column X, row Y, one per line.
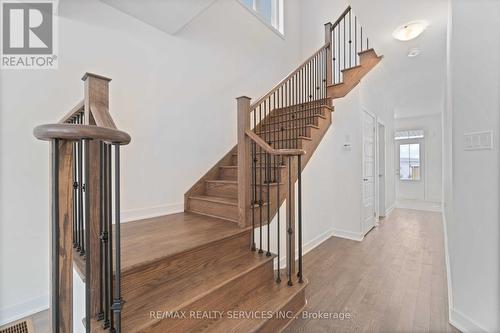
column 377, row 168
column 364, row 229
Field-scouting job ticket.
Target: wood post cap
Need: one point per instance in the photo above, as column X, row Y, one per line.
column 97, row 76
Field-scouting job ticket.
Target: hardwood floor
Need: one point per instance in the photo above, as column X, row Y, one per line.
column 392, row 281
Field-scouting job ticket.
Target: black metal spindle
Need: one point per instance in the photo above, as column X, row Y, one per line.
column 100, row 314
column 289, row 227
column 299, row 217
column 278, row 278
column 81, row 247
column 350, row 39
column 261, row 162
column 75, row 194
column 295, row 116
column 361, row 38
column 86, row 162
column 332, row 47
column 254, row 191
column 343, row 44
column 355, row 40
column 338, row 53
column 55, row 236
column 117, row 301
column 268, row 168
column 110, row 237
column 105, row 237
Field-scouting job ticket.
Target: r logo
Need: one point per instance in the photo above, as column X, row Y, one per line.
column 27, row 28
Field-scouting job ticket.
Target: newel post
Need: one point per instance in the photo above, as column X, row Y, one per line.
column 243, row 104
column 61, row 296
column 329, row 53
column 96, row 104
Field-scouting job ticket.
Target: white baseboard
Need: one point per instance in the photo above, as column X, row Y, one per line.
column 447, row 263
column 464, row 323
column 390, row 209
column 355, row 236
column 309, row 246
column 22, row 310
column 419, row 205
column 149, row 212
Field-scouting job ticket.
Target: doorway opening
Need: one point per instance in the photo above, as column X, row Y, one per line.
column 381, row 170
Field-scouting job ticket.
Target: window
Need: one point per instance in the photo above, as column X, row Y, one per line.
column 409, row 134
column 409, row 161
column 269, row 11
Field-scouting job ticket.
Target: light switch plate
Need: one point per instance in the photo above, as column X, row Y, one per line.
column 478, row 140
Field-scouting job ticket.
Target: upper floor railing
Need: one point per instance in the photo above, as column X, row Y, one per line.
column 271, row 131
column 348, row 39
column 85, row 200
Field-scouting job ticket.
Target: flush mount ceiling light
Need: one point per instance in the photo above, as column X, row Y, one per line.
column 410, row 30
column 413, row 52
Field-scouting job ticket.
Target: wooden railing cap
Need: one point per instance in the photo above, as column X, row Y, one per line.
column 86, row 75
column 72, row 132
column 270, row 150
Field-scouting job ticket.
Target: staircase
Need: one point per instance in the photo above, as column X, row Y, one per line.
column 214, row 267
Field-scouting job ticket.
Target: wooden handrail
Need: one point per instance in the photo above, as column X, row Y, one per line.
column 277, row 86
column 264, row 145
column 72, row 132
column 78, row 108
column 344, row 13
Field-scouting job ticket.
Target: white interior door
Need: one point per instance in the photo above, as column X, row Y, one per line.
column 381, row 170
column 368, row 172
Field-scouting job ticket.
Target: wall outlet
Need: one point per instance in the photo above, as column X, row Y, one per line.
column 478, row 140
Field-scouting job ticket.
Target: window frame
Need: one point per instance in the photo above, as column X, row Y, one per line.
column 278, row 17
column 409, row 142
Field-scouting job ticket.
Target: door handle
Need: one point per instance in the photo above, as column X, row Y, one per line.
column 365, row 179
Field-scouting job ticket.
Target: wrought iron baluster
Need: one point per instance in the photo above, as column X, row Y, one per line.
column 299, row 206
column 117, row 301
column 86, row 162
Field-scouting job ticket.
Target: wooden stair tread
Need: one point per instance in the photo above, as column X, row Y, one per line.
column 289, row 128
column 179, row 293
column 271, row 296
column 223, row 200
column 267, row 123
column 222, row 181
column 170, row 235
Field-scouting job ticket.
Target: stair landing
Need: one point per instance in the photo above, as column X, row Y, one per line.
column 169, row 235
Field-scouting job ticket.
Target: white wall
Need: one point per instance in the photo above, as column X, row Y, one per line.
column 339, row 168
column 171, row 94
column 174, row 95
column 471, row 186
column 432, row 156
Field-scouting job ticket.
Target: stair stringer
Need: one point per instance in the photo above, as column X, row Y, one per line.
column 322, row 123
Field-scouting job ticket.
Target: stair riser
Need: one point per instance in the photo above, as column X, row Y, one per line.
column 294, row 306
column 224, row 190
column 306, row 105
column 216, row 209
column 294, row 123
column 222, row 299
column 297, row 111
column 228, row 173
column 232, row 174
column 138, row 282
column 279, row 134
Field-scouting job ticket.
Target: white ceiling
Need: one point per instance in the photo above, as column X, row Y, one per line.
column 169, row 16
column 417, row 84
